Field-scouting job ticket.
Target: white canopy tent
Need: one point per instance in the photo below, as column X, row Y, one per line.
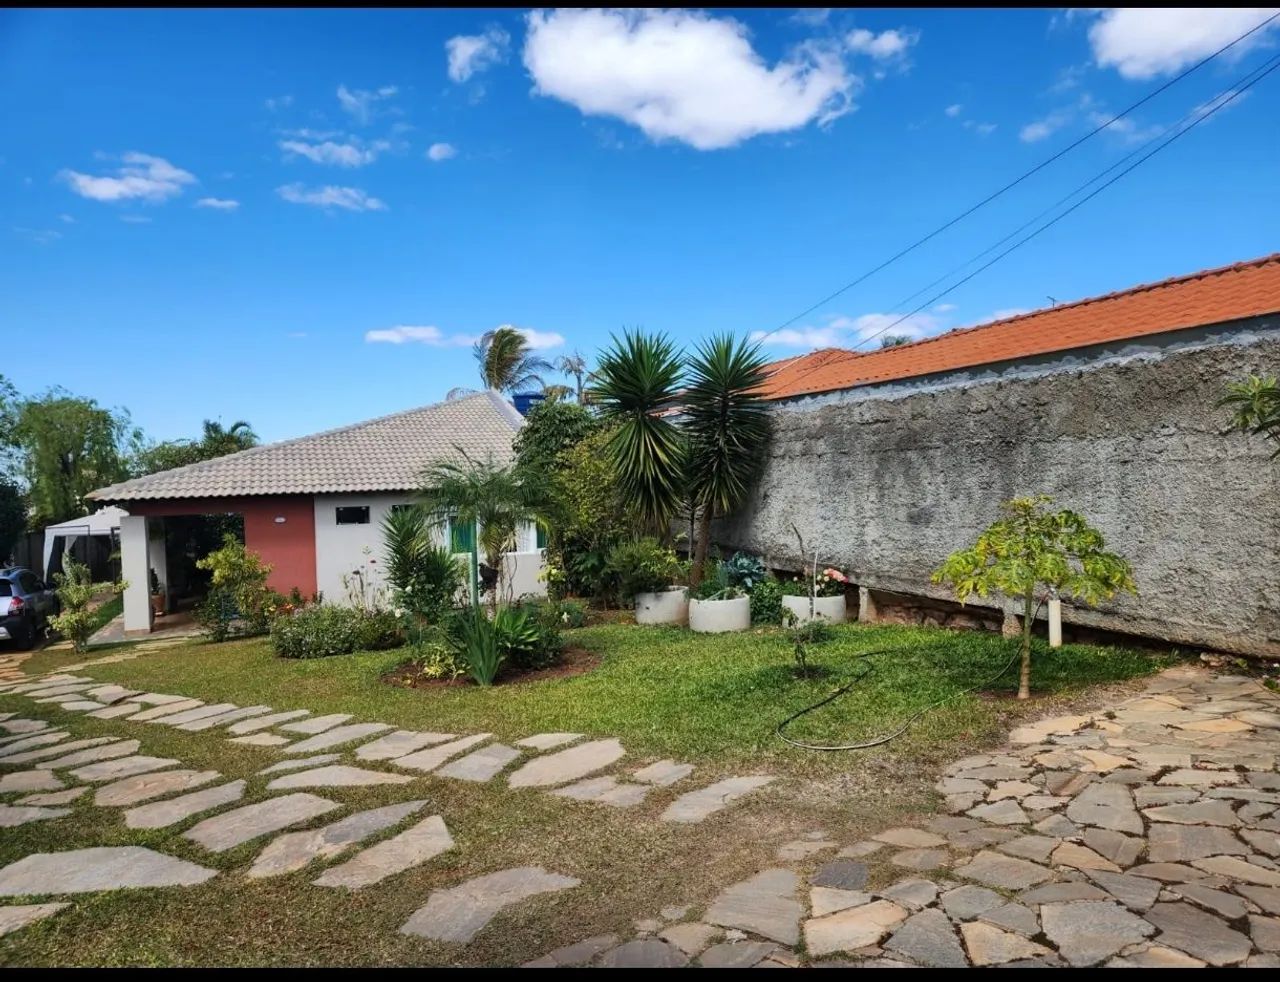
column 104, row 522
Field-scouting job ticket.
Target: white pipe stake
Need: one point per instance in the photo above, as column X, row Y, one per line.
column 1055, row 622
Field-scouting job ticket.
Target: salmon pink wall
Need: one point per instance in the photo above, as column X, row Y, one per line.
column 288, row 546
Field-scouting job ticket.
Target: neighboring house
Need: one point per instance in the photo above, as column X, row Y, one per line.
column 313, row 507
column 889, row 460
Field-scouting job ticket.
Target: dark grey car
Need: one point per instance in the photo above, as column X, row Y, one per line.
column 26, row 604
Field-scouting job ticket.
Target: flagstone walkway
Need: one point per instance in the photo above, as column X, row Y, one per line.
column 1146, row 835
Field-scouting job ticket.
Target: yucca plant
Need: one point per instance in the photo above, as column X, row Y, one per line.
column 474, row 638
column 638, row 378
column 506, row 361
column 727, row 424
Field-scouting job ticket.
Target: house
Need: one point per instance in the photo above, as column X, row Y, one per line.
column 313, row 506
column 889, row 460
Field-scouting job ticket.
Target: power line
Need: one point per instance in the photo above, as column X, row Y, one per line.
column 1231, row 94
column 1018, row 180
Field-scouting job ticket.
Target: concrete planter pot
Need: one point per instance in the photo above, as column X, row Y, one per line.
column 830, row 609
column 718, row 616
column 668, row 607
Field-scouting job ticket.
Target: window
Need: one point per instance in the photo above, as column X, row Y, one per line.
column 461, row 537
column 28, row 583
column 353, row 515
column 540, row 542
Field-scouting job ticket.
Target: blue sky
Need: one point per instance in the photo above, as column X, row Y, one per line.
column 301, row 218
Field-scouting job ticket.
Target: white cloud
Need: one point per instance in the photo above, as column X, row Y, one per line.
column 982, row 129
column 428, row 335
column 1142, row 43
column 811, row 16
column 848, row 332
column 353, row 152
column 218, row 204
column 1127, row 128
column 276, row 103
column 141, row 177
column 469, row 54
column 330, row 196
column 1039, row 129
column 361, row 104
column 441, row 151
column 799, row 337
column 944, row 308
column 538, row 340
column 954, row 110
column 40, row 236
column 66, row 219
column 1004, row 313
column 885, row 46
column 130, row 219
column 682, row 75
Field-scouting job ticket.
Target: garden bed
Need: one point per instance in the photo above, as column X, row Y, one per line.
column 574, row 661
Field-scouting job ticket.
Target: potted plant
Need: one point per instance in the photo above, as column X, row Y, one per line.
column 717, row 605
column 818, row 596
column 648, row 572
column 157, row 595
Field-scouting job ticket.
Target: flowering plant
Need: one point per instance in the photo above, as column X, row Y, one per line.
column 830, row 582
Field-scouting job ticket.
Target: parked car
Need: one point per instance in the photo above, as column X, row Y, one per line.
column 26, row 604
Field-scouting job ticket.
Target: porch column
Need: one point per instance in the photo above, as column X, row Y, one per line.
column 134, row 569
column 157, row 555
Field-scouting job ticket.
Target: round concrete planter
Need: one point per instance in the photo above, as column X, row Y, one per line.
column 668, row 607
column 831, row 609
column 718, row 616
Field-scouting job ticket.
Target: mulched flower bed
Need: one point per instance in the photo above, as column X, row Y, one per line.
column 574, row 661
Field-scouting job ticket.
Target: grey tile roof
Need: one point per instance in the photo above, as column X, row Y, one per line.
column 385, row 454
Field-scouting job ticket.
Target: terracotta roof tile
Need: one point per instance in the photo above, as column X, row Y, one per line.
column 1213, row 296
column 384, row 454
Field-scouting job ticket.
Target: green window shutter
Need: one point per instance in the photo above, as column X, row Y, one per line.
column 541, row 541
column 461, row 537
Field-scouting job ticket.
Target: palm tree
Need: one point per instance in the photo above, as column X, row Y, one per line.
column 493, row 499
column 506, row 361
column 574, row 365
column 556, row 393
column 638, row 379
column 218, row 440
column 727, row 423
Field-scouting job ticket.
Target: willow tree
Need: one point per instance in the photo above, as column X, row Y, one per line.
column 636, row 384
column 726, row 423
column 1029, row 549
column 506, row 361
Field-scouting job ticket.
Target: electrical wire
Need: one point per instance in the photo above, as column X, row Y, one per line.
column 1219, row 103
column 1018, row 180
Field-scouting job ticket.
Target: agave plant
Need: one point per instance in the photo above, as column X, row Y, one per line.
column 1255, row 404
column 639, row 377
column 727, row 423
column 506, row 361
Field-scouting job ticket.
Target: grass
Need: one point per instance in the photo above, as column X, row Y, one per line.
column 713, row 701
column 667, row 692
column 106, row 612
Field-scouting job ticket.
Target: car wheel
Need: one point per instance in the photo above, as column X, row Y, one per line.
column 26, row 637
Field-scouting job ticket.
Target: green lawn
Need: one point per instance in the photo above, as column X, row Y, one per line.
column 670, row 692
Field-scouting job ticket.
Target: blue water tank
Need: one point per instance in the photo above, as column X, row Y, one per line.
column 524, row 401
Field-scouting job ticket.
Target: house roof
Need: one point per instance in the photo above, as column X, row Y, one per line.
column 1213, row 296
column 384, row 454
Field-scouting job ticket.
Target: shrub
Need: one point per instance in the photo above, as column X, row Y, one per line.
column 435, row 658
column 813, row 632
column 76, row 590
column 543, row 621
column 551, row 428
column 641, row 565
column 830, row 582
column 716, row 584
column 573, row 613
column 744, row 571
column 474, row 638
column 766, row 602
column 238, row 592
column 324, row 630
column 424, row 576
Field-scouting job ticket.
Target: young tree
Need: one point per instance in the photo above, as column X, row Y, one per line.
column 549, row 430
column 76, row 591
column 506, row 361
column 726, row 424
column 639, row 379
column 576, row 366
column 494, row 499
column 13, row 517
column 1256, row 405
column 1032, row 548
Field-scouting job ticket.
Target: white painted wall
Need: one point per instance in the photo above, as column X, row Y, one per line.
column 141, row 550
column 341, row 549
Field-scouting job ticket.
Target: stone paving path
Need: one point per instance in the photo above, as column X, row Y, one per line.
column 1144, row 836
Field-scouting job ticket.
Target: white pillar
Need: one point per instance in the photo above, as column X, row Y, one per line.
column 1055, row 622
column 157, row 556
column 134, row 568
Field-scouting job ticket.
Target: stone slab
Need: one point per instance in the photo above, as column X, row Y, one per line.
column 664, row 773
column 294, row 850
column 765, row 904
column 11, row 816
column 548, row 741
column 480, row 765
column 117, row 710
column 317, row 724
column 336, row 776
column 460, row 913
column 266, row 722
column 16, row 918
column 21, row 743
column 98, row 868
column 852, row 929
column 91, row 755
column 222, row 719
column 52, row 799
column 1003, row 872
column 233, row 828
column 736, row 954
column 1087, row 932
column 566, row 766
column 164, row 709
column 694, row 806
column 143, row 787
column 36, row 780
column 432, row 757
column 110, row 770
column 297, row 765
column 1199, row 933
column 644, row 953
column 606, row 790
column 160, row 814
column 929, row 939
column 399, row 744
column 412, row 847
column 336, row 736
column 260, row 740
column 988, row 945
column 191, row 715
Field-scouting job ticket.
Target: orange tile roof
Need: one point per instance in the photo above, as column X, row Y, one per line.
column 1212, row 296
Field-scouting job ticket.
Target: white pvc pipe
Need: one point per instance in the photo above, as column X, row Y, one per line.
column 1055, row 622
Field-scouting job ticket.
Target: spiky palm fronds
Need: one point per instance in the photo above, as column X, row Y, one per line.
column 506, row 361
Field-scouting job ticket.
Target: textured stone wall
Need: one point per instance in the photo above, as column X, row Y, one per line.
column 885, row 488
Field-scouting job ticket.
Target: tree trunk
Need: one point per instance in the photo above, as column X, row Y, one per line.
column 1024, row 680
column 700, row 547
